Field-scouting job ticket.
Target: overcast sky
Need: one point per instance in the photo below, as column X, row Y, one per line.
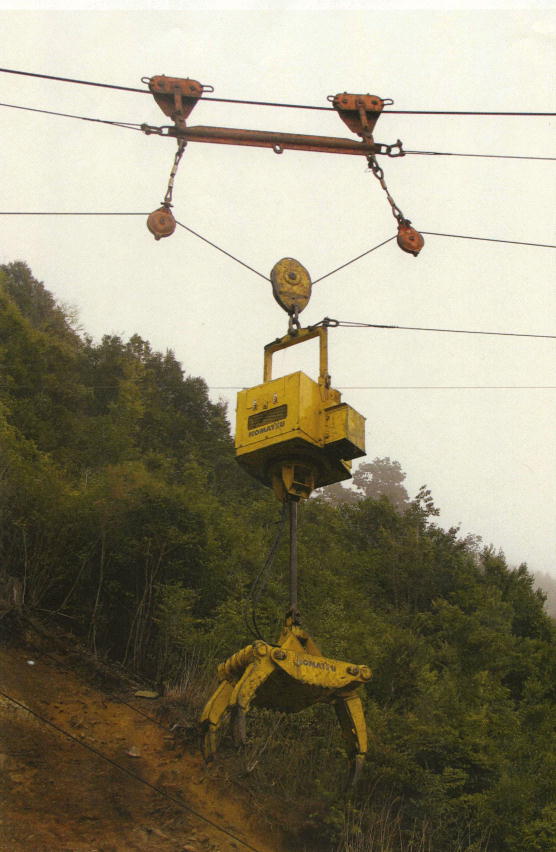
column 470, row 416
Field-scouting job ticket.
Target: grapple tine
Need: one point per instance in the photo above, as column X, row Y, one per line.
column 253, row 677
column 356, row 767
column 239, row 726
column 213, row 715
column 349, row 711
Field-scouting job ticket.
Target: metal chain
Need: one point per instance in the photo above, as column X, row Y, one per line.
column 379, row 174
column 293, row 323
column 179, row 153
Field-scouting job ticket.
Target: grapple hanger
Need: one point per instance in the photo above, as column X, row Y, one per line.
column 360, row 113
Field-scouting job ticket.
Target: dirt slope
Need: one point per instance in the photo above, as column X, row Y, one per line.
column 58, row 796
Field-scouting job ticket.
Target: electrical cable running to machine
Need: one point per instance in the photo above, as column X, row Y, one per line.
column 260, row 581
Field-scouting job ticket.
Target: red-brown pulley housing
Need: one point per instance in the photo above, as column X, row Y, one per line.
column 161, row 222
column 409, row 239
column 176, row 96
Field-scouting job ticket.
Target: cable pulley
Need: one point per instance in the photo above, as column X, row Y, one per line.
column 408, row 239
column 291, row 287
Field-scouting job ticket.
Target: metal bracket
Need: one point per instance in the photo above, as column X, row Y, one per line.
column 359, row 112
column 175, row 96
column 300, row 336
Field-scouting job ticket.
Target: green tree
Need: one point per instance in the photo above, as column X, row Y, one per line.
column 382, row 478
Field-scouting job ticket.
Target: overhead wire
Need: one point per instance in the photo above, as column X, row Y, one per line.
column 69, row 213
column 171, row 798
column 349, row 324
column 413, row 387
column 246, row 265
column 489, row 239
column 72, row 80
column 220, row 249
column 275, row 104
column 343, row 387
column 359, row 256
column 488, row 156
column 127, row 125
column 251, row 268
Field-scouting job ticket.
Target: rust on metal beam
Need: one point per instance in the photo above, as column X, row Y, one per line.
column 277, row 141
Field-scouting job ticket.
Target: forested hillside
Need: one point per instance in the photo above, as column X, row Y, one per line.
column 125, row 517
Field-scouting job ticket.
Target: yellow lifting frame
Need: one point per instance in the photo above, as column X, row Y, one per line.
column 301, row 336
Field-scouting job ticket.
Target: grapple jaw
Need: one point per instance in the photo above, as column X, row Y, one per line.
column 287, row 678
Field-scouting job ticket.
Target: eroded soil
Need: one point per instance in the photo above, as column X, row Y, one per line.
column 60, row 796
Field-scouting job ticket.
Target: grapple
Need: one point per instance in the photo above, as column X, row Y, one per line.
column 287, row 677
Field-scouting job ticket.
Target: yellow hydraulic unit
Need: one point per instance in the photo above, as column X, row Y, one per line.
column 293, row 434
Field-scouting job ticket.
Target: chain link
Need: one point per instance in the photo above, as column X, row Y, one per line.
column 293, row 323
column 379, row 174
column 179, row 154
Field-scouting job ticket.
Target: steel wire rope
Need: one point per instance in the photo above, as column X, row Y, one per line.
column 489, row 156
column 81, row 657
column 349, row 262
column 115, row 698
column 124, row 769
column 227, row 253
column 488, row 239
column 127, row 125
column 353, row 387
column 246, row 265
column 72, row 80
column 349, row 324
column 414, row 387
column 275, row 104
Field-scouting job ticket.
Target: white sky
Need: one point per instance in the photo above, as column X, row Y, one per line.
column 489, row 456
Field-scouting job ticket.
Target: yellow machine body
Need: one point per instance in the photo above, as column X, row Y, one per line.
column 296, row 420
